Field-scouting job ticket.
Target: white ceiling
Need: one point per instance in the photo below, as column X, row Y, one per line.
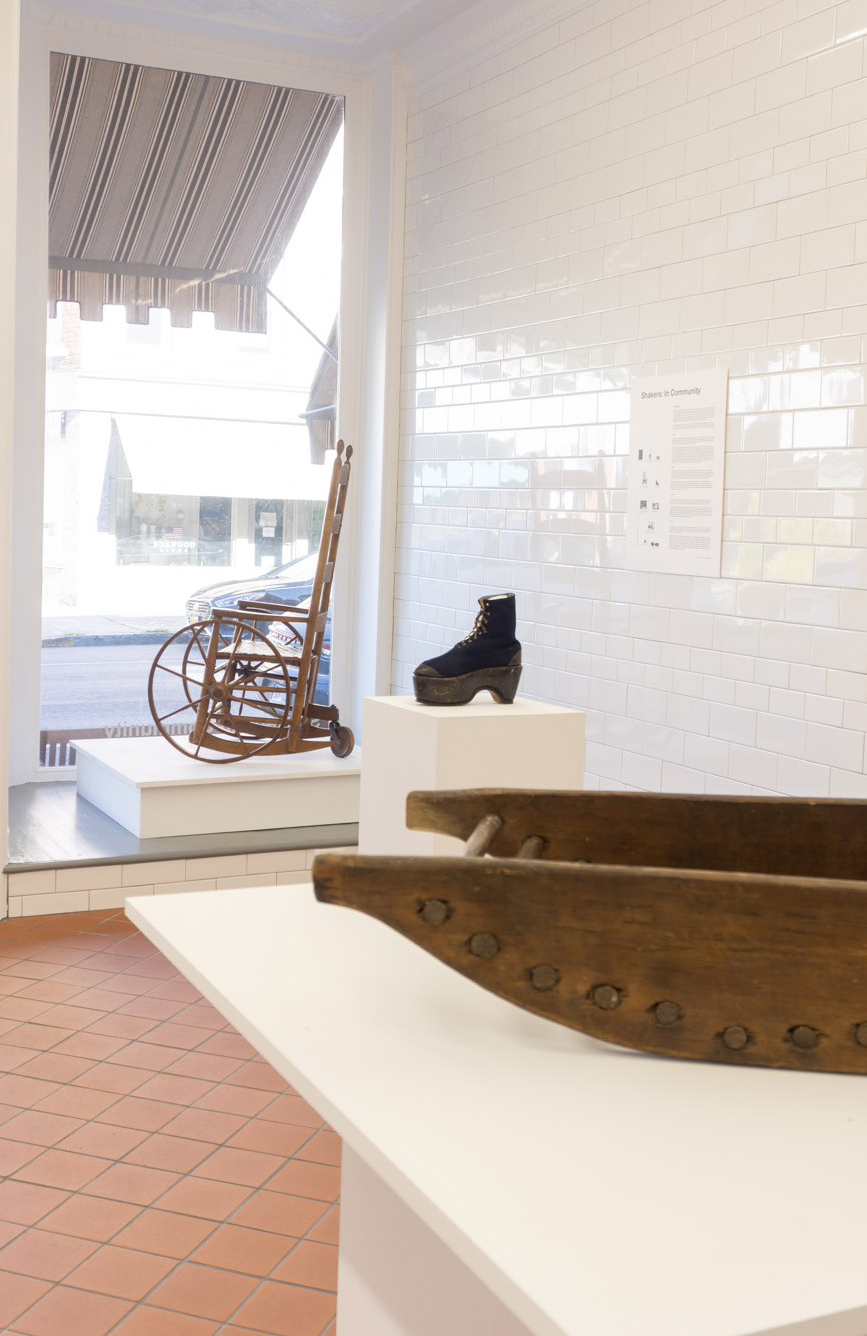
column 351, row 21
column 353, row 29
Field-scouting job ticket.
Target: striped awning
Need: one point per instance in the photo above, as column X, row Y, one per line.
column 176, row 190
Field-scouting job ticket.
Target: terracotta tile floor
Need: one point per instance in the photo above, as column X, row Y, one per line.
column 157, row 1178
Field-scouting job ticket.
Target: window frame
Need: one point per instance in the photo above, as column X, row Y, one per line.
column 199, row 54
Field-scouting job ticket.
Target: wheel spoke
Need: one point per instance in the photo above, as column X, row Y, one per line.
column 175, row 673
column 239, row 736
column 190, row 705
column 263, row 692
column 274, row 711
column 238, row 701
column 259, row 706
column 249, row 670
column 267, row 706
column 208, row 717
column 195, row 647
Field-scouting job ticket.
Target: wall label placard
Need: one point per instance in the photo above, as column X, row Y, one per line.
column 674, row 490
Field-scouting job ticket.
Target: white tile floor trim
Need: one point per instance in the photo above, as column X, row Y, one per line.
column 66, row 890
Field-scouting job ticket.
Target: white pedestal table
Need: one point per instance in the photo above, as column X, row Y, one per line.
column 504, row 1175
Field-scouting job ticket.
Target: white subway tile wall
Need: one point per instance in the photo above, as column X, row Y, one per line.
column 645, row 188
column 105, row 886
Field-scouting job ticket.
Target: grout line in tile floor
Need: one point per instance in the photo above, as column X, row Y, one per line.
column 102, row 934
column 227, row 1324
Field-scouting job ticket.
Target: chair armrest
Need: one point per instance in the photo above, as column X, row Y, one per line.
column 277, row 609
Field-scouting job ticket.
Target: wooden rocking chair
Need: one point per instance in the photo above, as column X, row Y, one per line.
column 247, row 676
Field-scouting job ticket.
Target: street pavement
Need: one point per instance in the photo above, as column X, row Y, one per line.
column 95, row 673
column 99, row 686
column 105, row 686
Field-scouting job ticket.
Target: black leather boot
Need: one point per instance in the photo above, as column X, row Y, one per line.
column 488, row 659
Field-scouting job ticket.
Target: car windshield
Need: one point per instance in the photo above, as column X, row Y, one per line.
column 302, row 568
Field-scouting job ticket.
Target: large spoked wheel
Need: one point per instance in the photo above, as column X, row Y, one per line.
column 219, row 690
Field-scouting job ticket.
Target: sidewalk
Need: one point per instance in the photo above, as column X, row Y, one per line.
column 62, row 632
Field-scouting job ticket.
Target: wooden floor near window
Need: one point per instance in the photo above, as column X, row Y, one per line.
column 50, row 826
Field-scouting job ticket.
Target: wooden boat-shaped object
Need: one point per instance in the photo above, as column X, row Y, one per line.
column 724, row 929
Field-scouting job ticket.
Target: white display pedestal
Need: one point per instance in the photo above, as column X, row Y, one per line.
column 150, row 789
column 528, row 745
column 397, row 1277
column 573, row 1188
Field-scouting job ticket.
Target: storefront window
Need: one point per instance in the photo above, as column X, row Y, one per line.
column 180, row 457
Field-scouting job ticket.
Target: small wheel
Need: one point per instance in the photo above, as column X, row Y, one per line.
column 342, row 740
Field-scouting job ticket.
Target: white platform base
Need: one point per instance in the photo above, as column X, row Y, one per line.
column 528, row 745
column 150, row 789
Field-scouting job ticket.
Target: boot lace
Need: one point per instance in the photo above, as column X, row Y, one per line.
column 479, row 627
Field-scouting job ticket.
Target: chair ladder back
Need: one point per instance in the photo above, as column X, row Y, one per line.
column 320, row 599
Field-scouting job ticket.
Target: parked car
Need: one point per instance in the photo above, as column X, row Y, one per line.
column 291, row 584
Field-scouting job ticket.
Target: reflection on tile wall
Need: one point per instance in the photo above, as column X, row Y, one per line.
column 664, row 186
